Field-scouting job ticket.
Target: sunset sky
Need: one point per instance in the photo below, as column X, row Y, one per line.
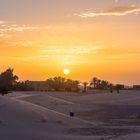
column 39, row 38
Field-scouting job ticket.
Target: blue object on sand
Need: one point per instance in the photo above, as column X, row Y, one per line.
column 71, row 114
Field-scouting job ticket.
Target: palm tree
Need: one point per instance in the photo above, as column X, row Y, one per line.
column 94, row 82
column 57, row 83
column 68, row 85
column 104, row 84
column 62, row 84
column 98, row 84
column 85, row 86
column 75, row 86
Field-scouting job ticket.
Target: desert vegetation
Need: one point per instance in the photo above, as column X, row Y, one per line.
column 63, row 84
column 9, row 81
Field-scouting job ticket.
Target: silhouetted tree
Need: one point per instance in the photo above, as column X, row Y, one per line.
column 104, row 84
column 100, row 84
column 111, row 87
column 62, row 84
column 85, row 86
column 22, row 86
column 119, row 87
column 68, row 85
column 75, row 86
column 50, row 83
column 57, row 83
column 94, row 82
column 7, row 81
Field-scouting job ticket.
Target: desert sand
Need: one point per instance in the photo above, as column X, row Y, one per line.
column 45, row 116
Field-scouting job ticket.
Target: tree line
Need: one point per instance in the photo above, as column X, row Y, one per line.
column 63, row 84
column 97, row 83
column 9, row 82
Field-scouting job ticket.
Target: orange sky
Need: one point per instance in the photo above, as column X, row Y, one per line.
column 101, row 40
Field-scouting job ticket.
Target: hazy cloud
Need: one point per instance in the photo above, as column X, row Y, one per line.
column 17, row 28
column 70, row 50
column 115, row 11
column 52, row 57
column 2, row 22
column 6, row 29
column 116, row 1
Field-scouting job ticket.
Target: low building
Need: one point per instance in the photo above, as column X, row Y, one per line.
column 136, row 87
column 38, row 85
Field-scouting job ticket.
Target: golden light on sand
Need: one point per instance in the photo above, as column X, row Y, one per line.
column 66, row 71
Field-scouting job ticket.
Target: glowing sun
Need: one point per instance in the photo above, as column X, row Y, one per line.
column 66, row 71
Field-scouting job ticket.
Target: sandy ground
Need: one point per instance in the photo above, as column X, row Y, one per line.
column 45, row 116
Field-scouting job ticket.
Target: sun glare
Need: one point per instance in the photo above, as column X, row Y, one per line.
column 66, row 71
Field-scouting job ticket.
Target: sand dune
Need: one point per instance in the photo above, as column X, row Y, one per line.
column 24, row 121
column 45, row 116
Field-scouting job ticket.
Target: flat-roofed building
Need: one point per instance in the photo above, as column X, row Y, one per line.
column 38, row 85
column 136, row 87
